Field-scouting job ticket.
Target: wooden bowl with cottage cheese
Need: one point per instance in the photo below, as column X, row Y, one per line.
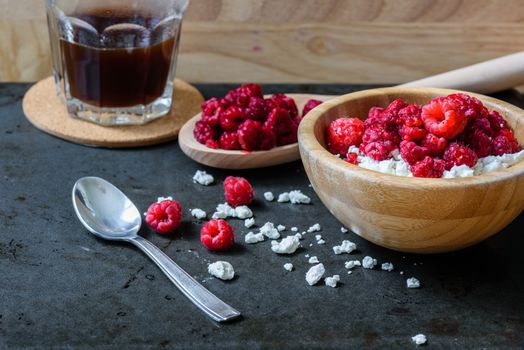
column 419, row 215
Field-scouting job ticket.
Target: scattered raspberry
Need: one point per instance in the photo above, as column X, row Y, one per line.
column 428, row 167
column 505, row 142
column 444, row 117
column 352, row 158
column 250, row 135
column 217, row 235
column 411, row 152
column 229, row 141
column 310, row 104
column 231, row 118
column 459, row 154
column 203, row 132
column 238, row 191
column 280, row 122
column 342, row 133
column 165, row 216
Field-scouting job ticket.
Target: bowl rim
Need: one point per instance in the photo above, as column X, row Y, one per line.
column 309, row 143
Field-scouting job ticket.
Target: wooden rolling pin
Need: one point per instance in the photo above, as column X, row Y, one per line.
column 486, row 77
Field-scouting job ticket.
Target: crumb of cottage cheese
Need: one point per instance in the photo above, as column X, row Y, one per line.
column 287, row 245
column 314, row 228
column 299, row 236
column 294, row 229
column 198, row 213
column 318, row 237
column 281, row 228
column 295, row 197
column 288, row 266
column 306, row 255
column 314, row 274
column 222, row 270
column 270, row 231
column 161, row 199
column 401, row 272
column 252, row 238
column 412, row 282
column 332, row 281
column 351, row 264
column 249, row 222
column 321, row 241
column 344, row 230
column 368, row 262
column 268, row 196
column 387, row 266
column 419, row 339
column 203, row 178
column 224, row 211
column 313, row 260
column 345, row 247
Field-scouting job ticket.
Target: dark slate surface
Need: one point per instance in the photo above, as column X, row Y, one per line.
column 63, row 288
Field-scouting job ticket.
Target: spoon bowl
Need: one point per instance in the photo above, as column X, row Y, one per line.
column 107, row 213
column 226, row 159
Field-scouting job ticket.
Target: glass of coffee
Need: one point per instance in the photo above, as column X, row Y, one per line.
column 114, row 60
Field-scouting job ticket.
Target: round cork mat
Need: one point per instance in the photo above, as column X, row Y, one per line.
column 44, row 109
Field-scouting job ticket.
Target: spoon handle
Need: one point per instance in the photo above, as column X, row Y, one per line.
column 200, row 296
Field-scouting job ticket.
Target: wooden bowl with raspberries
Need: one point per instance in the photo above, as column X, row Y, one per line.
column 419, row 170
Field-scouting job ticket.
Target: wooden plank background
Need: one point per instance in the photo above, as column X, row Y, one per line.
column 345, row 41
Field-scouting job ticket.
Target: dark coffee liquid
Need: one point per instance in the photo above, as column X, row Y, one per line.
column 123, row 63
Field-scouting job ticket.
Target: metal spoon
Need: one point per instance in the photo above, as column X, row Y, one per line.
column 106, row 212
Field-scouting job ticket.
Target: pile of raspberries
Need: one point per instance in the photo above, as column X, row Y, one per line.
column 448, row 131
column 245, row 120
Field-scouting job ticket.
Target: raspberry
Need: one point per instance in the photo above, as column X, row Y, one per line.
column 203, row 132
column 280, row 122
column 497, row 122
column 481, row 124
column 257, row 109
column 435, row 145
column 428, row 167
column 231, row 118
column 378, row 150
column 471, row 106
column 459, row 154
column 478, row 141
column 250, row 134
column 505, row 142
column 387, row 117
column 375, row 112
column 268, row 139
column 411, row 128
column 342, row 133
column 310, row 104
column 165, row 216
column 212, row 144
column 241, row 96
column 411, row 152
column 284, row 102
column 380, row 133
column 217, row 235
column 352, row 158
column 238, row 191
column 229, row 141
column 211, row 110
column 444, row 117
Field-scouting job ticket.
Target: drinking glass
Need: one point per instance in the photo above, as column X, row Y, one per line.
column 114, row 60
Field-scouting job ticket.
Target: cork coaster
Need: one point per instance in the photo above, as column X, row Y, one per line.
column 48, row 113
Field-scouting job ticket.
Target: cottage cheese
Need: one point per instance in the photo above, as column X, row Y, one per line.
column 313, row 260
column 269, row 196
column 344, row 230
column 203, row 178
column 249, row 222
column 198, row 213
column 288, row 266
column 321, row 241
column 368, row 262
column 387, row 266
column 294, row 229
column 161, row 199
column 222, row 270
column 243, row 212
column 224, row 211
column 332, row 281
column 252, row 238
column 419, row 339
column 345, row 247
column 287, row 245
column 295, row 197
column 351, row 264
column 318, row 237
column 412, row 282
column 281, row 228
column 299, row 235
column 269, row 231
column 314, row 274
column 314, row 228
